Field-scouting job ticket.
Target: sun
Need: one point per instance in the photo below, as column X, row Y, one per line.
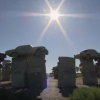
column 54, row 15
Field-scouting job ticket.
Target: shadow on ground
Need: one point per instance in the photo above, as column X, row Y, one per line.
column 32, row 93
column 24, row 92
column 67, row 91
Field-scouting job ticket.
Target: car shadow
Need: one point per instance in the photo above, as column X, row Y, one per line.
column 32, row 93
column 67, row 91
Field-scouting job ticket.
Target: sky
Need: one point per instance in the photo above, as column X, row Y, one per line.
column 18, row 27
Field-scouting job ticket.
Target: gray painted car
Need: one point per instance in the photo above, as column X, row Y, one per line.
column 27, row 50
column 88, row 54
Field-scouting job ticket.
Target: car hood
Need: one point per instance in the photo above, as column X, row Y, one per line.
column 9, row 51
column 77, row 56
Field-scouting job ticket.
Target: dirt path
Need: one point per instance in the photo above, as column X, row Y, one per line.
column 51, row 92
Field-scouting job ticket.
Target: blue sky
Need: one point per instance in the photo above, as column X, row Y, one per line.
column 17, row 29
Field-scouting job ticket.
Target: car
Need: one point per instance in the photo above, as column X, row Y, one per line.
column 27, row 50
column 88, row 54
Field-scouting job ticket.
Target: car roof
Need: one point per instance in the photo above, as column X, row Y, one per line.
column 24, row 46
column 40, row 46
column 27, row 46
column 89, row 50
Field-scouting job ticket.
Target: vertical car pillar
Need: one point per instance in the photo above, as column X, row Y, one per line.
column 0, row 72
column 66, row 72
column 88, row 72
column 2, row 56
column 19, row 72
column 37, row 72
column 56, row 73
column 6, row 74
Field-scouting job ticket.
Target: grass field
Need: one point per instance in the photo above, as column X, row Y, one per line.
column 92, row 93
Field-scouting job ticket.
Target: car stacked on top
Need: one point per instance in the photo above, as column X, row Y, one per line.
column 27, row 50
column 88, row 54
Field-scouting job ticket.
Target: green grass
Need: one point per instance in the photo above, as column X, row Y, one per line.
column 6, row 94
column 78, row 75
column 92, row 93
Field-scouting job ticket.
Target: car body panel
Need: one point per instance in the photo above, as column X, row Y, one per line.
column 93, row 54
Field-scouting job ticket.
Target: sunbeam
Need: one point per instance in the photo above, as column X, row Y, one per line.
column 64, row 33
column 62, row 1
column 35, row 14
column 48, row 4
column 29, row 14
column 75, row 15
column 70, row 43
column 21, row 14
column 43, row 32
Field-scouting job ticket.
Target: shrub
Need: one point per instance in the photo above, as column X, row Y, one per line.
column 92, row 93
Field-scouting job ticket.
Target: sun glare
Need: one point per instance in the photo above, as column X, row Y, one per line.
column 54, row 15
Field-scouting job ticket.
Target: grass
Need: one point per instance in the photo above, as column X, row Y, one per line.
column 78, row 75
column 6, row 94
column 92, row 93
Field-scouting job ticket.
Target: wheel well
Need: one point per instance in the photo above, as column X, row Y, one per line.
column 88, row 55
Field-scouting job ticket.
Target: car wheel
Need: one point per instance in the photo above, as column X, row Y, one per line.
column 14, row 54
column 88, row 56
column 38, row 52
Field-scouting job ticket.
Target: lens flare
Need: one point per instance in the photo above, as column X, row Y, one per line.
column 54, row 15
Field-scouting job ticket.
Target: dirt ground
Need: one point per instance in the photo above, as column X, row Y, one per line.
column 51, row 92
